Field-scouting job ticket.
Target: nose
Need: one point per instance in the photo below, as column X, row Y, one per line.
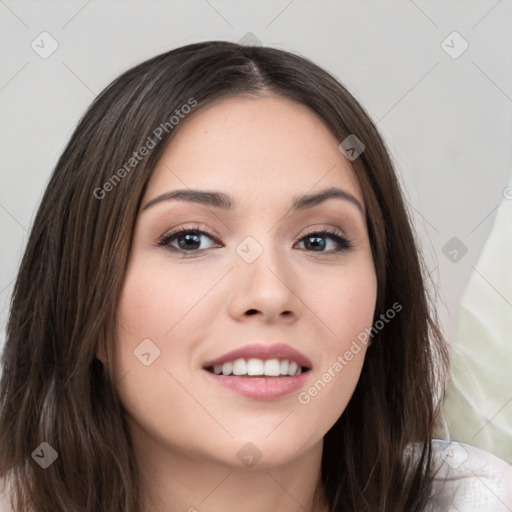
column 264, row 284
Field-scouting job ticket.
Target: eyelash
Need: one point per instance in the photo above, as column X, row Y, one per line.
column 343, row 243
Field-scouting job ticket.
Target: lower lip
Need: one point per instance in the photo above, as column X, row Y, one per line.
column 260, row 388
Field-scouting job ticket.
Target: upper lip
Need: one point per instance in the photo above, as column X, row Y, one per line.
column 261, row 351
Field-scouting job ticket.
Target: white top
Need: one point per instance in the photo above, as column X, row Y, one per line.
column 469, row 480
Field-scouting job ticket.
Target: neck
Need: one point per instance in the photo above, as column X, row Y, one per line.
column 174, row 480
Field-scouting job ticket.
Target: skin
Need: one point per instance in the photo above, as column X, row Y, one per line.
column 187, row 430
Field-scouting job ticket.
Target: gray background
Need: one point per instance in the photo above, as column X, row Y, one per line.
column 446, row 120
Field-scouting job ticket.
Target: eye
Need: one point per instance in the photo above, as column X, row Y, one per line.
column 314, row 239
column 188, row 239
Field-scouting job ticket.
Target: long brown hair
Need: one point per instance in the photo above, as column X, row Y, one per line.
column 54, row 390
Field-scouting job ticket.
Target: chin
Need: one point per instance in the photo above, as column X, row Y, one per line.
column 261, row 452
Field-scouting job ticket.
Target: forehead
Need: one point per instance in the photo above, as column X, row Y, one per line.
column 257, row 148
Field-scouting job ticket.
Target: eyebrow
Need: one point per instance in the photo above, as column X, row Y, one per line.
column 224, row 201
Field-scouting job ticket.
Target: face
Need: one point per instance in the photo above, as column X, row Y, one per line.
column 283, row 286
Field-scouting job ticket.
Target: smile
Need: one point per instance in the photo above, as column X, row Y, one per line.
column 258, row 367
column 260, row 371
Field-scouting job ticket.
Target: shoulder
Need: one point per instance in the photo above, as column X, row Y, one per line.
column 469, row 479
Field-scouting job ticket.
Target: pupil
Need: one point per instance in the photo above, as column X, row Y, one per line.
column 320, row 244
column 188, row 238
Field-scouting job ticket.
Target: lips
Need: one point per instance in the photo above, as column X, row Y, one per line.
column 252, row 371
column 280, row 352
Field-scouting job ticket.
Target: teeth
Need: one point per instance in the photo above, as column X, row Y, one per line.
column 240, row 367
column 227, row 368
column 272, row 368
column 292, row 368
column 255, row 366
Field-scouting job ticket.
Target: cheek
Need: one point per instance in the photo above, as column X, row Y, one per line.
column 152, row 317
column 157, row 297
column 346, row 305
column 326, row 396
column 346, row 308
column 148, row 309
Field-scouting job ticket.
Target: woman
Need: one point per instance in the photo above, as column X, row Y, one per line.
column 221, row 306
